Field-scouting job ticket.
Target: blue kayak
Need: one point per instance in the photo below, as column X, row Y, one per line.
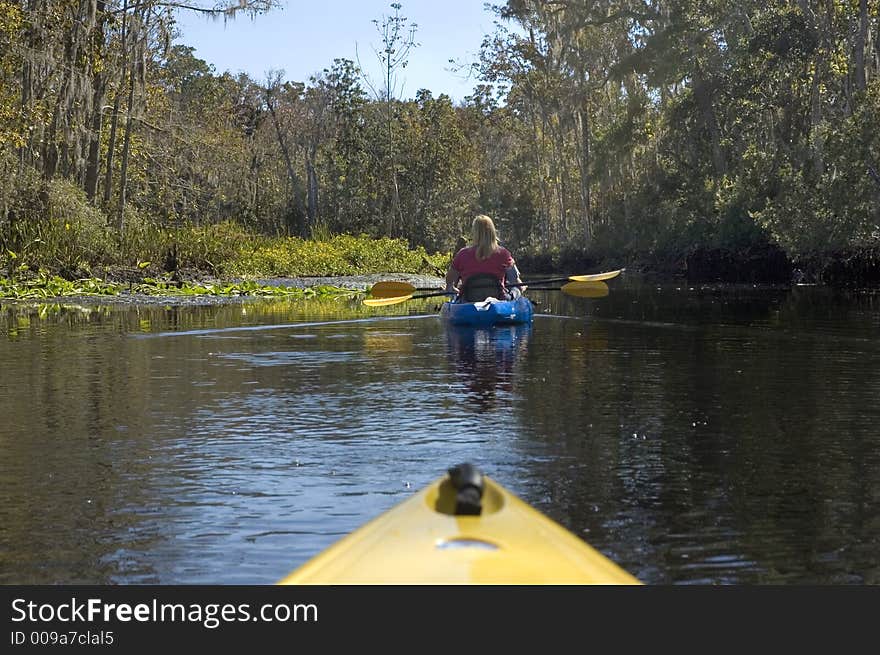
column 488, row 312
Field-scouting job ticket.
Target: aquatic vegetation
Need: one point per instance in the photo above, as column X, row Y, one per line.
column 51, row 286
column 27, row 318
column 46, row 286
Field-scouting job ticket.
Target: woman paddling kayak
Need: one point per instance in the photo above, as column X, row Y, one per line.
column 485, row 268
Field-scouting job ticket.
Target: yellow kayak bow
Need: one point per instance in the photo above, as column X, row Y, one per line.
column 461, row 529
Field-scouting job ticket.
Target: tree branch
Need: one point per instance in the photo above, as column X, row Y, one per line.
column 251, row 6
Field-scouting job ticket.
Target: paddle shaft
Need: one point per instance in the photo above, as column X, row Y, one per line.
column 514, row 284
column 577, row 289
column 395, row 289
column 593, row 277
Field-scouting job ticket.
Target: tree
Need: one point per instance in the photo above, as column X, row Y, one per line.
column 398, row 39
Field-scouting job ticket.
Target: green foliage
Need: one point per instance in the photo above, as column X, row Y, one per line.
column 73, row 233
column 838, row 211
column 208, row 248
column 438, row 183
column 51, row 225
column 12, row 129
column 51, row 228
column 338, row 255
column 597, row 132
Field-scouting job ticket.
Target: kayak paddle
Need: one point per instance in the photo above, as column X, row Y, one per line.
column 577, row 289
column 394, row 289
column 382, row 302
column 592, row 277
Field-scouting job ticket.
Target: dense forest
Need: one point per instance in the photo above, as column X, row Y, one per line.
column 680, row 134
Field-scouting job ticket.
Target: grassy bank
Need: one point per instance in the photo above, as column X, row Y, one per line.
column 71, row 250
column 220, row 251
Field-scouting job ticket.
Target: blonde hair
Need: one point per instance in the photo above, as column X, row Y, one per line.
column 484, row 236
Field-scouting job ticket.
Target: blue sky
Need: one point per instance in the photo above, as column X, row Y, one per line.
column 304, row 36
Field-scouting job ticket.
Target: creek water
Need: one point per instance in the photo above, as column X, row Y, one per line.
column 695, row 435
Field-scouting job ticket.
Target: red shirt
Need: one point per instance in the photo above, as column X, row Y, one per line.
column 467, row 264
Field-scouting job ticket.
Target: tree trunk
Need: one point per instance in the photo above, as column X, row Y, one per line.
column 861, row 40
column 126, row 148
column 99, row 86
column 94, row 155
column 111, row 147
column 25, row 152
column 60, row 143
column 394, row 215
column 126, row 140
column 817, row 142
column 312, row 214
column 703, row 95
column 50, row 148
column 560, row 176
column 583, row 125
column 288, row 161
column 114, row 118
column 543, row 174
column 255, row 182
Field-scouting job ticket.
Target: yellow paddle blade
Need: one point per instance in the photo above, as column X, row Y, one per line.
column 382, row 302
column 595, row 277
column 586, row 289
column 391, row 289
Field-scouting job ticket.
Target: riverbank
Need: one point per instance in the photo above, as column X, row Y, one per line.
column 153, row 285
column 756, row 263
column 191, row 288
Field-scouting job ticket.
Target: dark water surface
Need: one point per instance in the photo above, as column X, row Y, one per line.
column 717, row 435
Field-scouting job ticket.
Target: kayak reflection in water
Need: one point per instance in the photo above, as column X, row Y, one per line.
column 485, row 359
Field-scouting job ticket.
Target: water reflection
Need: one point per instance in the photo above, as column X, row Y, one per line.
column 485, row 358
